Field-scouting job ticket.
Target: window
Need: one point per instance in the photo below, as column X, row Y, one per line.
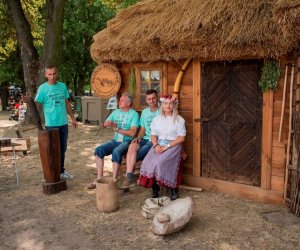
column 147, row 78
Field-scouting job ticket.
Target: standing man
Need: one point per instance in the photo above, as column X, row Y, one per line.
column 124, row 121
column 140, row 146
column 53, row 97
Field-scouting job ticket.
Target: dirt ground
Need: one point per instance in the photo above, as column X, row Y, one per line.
column 30, row 219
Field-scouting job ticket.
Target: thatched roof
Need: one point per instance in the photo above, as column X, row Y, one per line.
column 155, row 30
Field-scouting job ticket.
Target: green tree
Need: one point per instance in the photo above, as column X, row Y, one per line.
column 82, row 20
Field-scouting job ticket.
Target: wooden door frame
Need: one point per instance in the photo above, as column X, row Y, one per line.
column 267, row 140
column 197, row 115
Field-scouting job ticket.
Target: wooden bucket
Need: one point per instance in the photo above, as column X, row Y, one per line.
column 49, row 146
column 107, row 195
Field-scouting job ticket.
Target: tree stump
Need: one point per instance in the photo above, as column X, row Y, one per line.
column 54, row 187
column 107, row 195
column 49, row 145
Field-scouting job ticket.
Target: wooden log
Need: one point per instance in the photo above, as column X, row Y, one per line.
column 55, row 187
column 107, row 196
column 191, row 188
column 49, row 146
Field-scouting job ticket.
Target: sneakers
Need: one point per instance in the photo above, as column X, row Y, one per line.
column 66, row 175
column 127, row 184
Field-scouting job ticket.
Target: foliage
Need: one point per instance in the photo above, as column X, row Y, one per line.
column 270, row 75
column 34, row 14
column 11, row 70
column 83, row 19
column 8, row 39
column 119, row 4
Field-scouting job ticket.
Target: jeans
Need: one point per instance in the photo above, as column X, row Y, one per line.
column 116, row 149
column 145, row 146
column 63, row 137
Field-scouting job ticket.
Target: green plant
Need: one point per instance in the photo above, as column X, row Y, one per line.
column 270, row 75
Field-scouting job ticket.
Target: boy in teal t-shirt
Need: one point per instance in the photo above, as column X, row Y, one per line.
column 124, row 121
column 53, row 97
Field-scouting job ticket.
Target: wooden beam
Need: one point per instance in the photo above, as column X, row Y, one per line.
column 196, row 115
column 267, row 129
column 235, row 189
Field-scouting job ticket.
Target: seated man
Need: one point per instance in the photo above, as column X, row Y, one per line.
column 124, row 121
column 140, row 146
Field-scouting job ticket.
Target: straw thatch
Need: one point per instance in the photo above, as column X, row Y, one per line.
column 155, row 30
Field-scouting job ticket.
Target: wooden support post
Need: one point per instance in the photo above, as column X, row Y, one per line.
column 49, row 145
column 290, row 131
column 283, row 103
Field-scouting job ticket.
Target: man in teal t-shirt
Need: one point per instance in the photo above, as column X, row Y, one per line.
column 53, row 97
column 124, row 122
column 140, row 146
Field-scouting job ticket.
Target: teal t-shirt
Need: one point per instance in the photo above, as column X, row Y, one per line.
column 124, row 120
column 52, row 98
column 146, row 119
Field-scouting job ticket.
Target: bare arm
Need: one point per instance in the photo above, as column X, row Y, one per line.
column 38, row 105
column 140, row 135
column 70, row 112
column 130, row 132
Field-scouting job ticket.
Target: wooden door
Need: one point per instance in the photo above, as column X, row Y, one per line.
column 231, row 120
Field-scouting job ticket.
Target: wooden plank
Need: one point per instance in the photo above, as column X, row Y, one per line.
column 277, row 109
column 184, row 91
column 276, row 124
column 278, row 169
column 235, row 189
column 283, row 141
column 277, row 183
column 267, row 140
column 278, row 154
column 196, row 115
column 188, row 116
column 24, row 145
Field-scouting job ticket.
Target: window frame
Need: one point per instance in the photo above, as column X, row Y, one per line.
column 161, row 67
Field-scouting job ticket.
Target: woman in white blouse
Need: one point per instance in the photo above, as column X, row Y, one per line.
column 161, row 164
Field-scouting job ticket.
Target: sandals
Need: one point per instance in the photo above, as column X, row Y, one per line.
column 91, row 185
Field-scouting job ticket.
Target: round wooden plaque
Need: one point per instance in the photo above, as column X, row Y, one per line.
column 106, row 80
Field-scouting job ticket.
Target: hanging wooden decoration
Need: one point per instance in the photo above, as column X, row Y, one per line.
column 106, row 80
column 132, row 81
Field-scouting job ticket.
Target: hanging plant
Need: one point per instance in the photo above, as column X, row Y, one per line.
column 270, row 75
column 132, row 82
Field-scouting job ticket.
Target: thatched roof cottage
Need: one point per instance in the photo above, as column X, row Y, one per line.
column 215, row 52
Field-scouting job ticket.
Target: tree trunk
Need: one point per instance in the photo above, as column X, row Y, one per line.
column 81, row 82
column 28, row 53
column 53, row 35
